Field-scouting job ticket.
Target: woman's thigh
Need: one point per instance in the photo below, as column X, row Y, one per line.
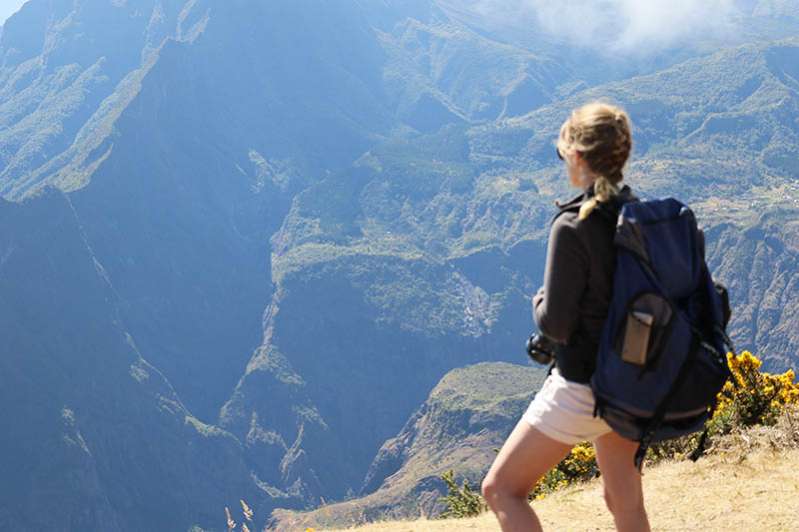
column 621, row 479
column 525, row 457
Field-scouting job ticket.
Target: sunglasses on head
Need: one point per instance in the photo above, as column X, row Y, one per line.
column 560, row 155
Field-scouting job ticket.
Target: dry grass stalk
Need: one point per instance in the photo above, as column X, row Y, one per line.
column 246, row 510
column 784, row 434
column 231, row 524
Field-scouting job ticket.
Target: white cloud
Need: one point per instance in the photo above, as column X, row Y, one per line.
column 637, row 26
column 8, row 8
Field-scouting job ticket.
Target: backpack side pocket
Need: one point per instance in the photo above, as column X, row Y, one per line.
column 643, row 332
column 637, row 330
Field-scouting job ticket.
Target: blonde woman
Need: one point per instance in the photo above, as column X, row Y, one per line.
column 570, row 309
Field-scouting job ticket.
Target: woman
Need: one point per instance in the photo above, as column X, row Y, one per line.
column 570, row 309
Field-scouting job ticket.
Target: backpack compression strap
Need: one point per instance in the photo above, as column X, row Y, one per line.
column 657, row 418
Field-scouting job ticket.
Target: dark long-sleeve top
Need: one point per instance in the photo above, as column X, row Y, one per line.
column 572, row 305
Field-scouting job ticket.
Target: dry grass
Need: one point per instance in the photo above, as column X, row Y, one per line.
column 748, row 482
column 732, row 490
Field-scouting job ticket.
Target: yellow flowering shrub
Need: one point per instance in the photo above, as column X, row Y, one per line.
column 753, row 397
column 579, row 465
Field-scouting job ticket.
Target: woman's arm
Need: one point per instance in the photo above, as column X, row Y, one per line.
column 556, row 303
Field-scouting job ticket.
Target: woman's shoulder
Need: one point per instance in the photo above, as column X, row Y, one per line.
column 593, row 230
column 568, row 232
column 568, row 211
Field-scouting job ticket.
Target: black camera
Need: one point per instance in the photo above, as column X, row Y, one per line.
column 541, row 349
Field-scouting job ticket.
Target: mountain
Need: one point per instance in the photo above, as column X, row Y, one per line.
column 78, row 395
column 467, row 414
column 382, row 328
column 472, row 197
column 759, row 264
column 175, row 182
column 467, row 193
column 313, row 82
column 720, row 139
column 68, row 68
column 297, row 217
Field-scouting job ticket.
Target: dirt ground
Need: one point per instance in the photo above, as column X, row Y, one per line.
column 734, row 492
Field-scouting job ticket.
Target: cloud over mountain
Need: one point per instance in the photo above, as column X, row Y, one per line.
column 624, row 26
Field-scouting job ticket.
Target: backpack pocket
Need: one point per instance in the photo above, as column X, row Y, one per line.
column 636, row 337
column 642, row 334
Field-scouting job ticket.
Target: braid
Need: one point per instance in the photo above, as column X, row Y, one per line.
column 604, row 189
column 601, row 133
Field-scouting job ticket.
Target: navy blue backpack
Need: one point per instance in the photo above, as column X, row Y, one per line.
column 662, row 355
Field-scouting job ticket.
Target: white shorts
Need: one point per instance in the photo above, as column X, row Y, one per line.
column 564, row 411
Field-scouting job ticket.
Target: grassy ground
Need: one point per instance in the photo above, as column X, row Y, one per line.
column 739, row 489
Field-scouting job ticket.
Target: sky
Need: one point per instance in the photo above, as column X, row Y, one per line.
column 8, row 8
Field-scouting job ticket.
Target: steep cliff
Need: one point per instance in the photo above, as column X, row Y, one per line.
column 96, row 438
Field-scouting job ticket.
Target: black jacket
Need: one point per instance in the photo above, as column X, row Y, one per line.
column 572, row 305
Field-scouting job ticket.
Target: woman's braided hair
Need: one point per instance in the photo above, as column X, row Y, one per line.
column 600, row 132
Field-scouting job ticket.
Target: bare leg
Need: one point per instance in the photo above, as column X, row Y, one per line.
column 622, row 482
column 524, row 458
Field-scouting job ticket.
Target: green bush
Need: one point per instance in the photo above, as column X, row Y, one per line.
column 461, row 501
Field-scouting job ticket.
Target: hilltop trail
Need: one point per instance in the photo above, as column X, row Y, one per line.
column 759, row 491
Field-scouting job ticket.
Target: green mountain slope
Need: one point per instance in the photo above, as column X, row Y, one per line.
column 67, row 70
column 710, row 140
column 759, row 264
